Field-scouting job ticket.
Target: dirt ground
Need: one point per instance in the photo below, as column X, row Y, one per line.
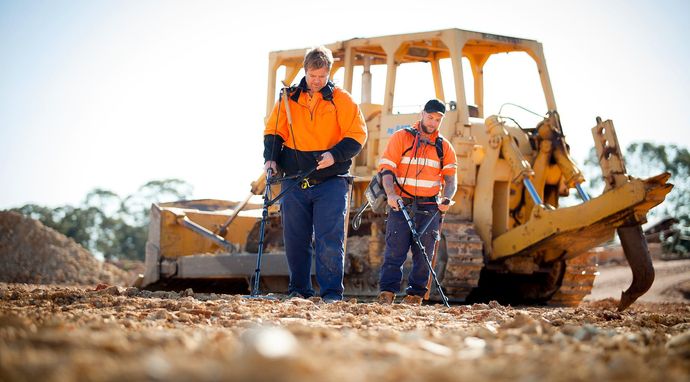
column 54, row 333
column 671, row 282
column 97, row 331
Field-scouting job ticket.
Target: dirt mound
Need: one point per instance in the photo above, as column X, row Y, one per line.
column 33, row 253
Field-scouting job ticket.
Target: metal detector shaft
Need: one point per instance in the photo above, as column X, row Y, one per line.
column 268, row 202
column 421, row 231
column 434, row 256
column 417, row 239
column 262, row 229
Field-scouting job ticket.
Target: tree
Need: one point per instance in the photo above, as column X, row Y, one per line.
column 106, row 224
column 645, row 159
column 136, row 206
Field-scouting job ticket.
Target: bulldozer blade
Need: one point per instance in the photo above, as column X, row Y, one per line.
column 636, row 252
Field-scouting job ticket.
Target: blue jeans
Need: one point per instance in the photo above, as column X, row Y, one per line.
column 318, row 214
column 398, row 243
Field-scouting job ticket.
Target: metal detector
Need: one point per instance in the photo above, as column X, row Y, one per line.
column 267, row 194
column 268, row 202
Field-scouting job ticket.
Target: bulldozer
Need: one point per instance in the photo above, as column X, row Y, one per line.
column 505, row 238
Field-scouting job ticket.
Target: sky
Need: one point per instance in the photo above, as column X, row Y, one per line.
column 113, row 94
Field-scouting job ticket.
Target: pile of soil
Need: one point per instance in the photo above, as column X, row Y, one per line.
column 53, row 333
column 33, row 253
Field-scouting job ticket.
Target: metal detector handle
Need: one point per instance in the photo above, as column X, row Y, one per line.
column 284, row 190
column 267, row 189
column 403, row 209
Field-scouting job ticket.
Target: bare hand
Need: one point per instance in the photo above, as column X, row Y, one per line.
column 326, row 160
column 445, row 204
column 272, row 165
column 393, row 201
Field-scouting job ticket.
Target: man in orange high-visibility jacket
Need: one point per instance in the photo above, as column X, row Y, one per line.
column 327, row 131
column 416, row 163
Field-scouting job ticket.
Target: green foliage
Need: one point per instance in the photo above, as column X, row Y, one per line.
column 107, row 224
column 676, row 243
column 645, row 159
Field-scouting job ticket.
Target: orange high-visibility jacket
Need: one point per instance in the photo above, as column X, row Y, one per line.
column 328, row 121
column 416, row 164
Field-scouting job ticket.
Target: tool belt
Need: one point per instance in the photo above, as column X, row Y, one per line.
column 309, row 182
column 420, row 200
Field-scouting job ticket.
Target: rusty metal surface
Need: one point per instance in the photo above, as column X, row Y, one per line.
column 637, row 253
column 578, row 228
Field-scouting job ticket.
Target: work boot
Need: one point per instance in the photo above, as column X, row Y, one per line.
column 412, row 300
column 386, row 298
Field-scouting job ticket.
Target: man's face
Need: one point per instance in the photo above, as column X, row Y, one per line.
column 431, row 121
column 316, row 78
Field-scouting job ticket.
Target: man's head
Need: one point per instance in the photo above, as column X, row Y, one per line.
column 317, row 67
column 432, row 115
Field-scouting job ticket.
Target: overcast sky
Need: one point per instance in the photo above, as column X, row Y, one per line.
column 112, row 94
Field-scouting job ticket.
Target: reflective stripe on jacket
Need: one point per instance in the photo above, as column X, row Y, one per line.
column 416, row 163
column 332, row 121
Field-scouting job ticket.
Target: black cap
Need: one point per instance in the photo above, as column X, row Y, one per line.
column 435, row 106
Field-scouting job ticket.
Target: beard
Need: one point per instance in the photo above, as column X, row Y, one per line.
column 425, row 129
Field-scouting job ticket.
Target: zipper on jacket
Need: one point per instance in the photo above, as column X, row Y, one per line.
column 311, row 112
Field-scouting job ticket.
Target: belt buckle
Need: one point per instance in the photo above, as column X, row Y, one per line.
column 304, row 184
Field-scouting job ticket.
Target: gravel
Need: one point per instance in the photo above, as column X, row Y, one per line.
column 108, row 333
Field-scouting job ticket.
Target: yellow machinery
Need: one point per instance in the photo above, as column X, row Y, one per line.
column 505, row 237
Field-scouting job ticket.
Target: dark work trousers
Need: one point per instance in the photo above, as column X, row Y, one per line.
column 316, row 213
column 399, row 241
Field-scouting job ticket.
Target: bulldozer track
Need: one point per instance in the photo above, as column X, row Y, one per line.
column 578, row 280
column 464, row 261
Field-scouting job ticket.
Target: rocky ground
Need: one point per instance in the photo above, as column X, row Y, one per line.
column 96, row 331
column 110, row 333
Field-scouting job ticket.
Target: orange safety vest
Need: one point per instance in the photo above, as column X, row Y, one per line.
column 329, row 120
column 416, row 164
column 320, row 124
